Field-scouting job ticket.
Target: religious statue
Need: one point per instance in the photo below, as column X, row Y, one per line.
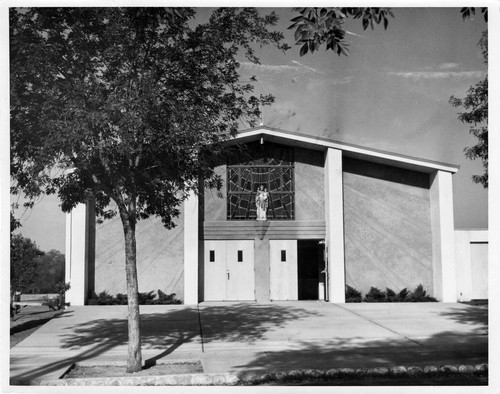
column 261, row 203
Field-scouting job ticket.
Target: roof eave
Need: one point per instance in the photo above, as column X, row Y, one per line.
column 349, row 150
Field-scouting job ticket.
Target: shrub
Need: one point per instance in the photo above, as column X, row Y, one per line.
column 375, row 295
column 420, row 295
column 62, row 287
column 352, row 295
column 147, row 298
column 402, row 295
column 121, row 299
column 167, row 298
column 102, row 299
column 390, row 295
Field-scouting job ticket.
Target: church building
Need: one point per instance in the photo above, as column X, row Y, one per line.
column 298, row 218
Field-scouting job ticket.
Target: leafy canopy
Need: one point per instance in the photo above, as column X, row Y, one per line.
column 317, row 26
column 128, row 104
column 475, row 105
column 23, row 262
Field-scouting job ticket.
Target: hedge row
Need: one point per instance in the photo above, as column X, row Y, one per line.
column 103, row 298
column 389, row 295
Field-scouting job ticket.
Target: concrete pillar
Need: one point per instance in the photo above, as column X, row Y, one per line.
column 334, row 212
column 443, row 237
column 77, row 225
column 191, row 250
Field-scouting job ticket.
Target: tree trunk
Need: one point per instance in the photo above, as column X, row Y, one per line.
column 134, row 359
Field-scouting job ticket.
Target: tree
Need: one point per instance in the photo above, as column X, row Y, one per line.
column 130, row 106
column 14, row 223
column 50, row 272
column 317, row 26
column 475, row 104
column 23, row 263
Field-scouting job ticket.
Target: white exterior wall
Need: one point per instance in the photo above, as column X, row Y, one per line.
column 443, row 236
column 77, row 245
column 471, row 251
column 334, row 212
column 191, row 250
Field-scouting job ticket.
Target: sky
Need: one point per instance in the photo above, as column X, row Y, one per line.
column 391, row 93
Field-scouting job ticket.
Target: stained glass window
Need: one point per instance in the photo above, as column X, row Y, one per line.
column 269, row 165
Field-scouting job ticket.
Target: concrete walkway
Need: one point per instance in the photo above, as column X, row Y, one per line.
column 238, row 337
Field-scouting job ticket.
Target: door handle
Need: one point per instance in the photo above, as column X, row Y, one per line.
column 228, row 275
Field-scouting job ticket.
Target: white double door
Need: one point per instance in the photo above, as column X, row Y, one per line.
column 229, row 270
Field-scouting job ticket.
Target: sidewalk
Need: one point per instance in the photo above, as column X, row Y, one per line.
column 237, row 337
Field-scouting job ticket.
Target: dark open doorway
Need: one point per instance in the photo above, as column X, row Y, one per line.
column 310, row 263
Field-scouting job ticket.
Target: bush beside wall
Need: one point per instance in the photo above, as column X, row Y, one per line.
column 149, row 298
column 389, row 295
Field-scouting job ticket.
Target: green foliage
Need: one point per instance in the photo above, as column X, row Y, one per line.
column 14, row 222
column 167, row 298
column 352, row 295
column 103, row 298
column 125, row 107
column 61, row 287
column 50, row 272
column 148, row 298
column 23, row 262
column 389, row 295
column 317, row 26
column 121, row 299
column 131, row 106
column 403, row 295
column 375, row 295
column 419, row 295
column 467, row 12
column 475, row 105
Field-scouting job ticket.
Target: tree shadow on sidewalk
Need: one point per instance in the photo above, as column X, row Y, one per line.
column 166, row 329
column 467, row 344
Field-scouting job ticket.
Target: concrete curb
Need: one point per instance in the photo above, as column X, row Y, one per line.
column 163, row 380
column 261, row 377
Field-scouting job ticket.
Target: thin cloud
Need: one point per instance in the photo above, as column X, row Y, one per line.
column 296, row 68
column 328, row 82
column 307, row 67
column 354, row 34
column 449, row 66
column 269, row 67
column 438, row 74
column 342, row 81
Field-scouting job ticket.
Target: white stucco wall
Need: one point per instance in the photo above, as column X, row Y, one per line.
column 471, row 253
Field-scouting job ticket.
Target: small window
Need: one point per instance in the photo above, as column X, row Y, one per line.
column 283, row 255
column 212, row 256
column 240, row 256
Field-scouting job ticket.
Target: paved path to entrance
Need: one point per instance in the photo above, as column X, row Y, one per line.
column 237, row 337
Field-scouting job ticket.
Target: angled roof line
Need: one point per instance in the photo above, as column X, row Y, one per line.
column 349, row 150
